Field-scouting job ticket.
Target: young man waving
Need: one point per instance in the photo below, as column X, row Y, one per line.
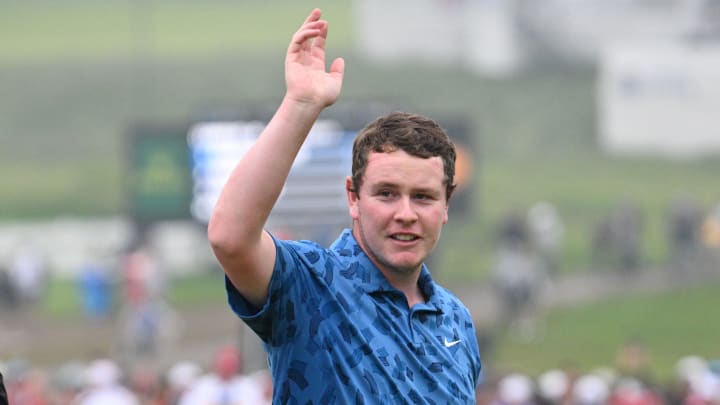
column 361, row 321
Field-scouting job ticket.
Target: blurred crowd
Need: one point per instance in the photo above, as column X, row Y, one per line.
column 528, row 249
column 104, row 382
column 529, row 245
column 696, row 382
column 129, row 287
column 616, row 238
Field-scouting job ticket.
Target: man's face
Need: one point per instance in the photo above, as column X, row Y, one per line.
column 400, row 210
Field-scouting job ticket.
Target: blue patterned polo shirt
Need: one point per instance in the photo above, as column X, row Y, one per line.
column 337, row 332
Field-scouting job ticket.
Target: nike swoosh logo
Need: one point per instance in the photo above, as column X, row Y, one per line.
column 453, row 343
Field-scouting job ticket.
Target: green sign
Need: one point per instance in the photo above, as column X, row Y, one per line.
column 159, row 186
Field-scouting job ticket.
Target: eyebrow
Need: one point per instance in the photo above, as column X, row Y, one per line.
column 384, row 184
column 387, row 184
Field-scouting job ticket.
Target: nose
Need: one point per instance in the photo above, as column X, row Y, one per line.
column 405, row 211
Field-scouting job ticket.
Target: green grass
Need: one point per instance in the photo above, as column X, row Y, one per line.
column 44, row 32
column 670, row 325
column 202, row 289
column 63, row 298
column 77, row 188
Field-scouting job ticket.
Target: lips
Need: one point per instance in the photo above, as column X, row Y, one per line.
column 404, row 237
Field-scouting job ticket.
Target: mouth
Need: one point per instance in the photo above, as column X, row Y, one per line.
column 404, row 237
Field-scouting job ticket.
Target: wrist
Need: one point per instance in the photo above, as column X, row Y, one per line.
column 302, row 106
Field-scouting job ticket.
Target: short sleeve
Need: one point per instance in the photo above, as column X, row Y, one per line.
column 291, row 271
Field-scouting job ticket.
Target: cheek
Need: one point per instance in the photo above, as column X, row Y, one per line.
column 371, row 214
column 439, row 217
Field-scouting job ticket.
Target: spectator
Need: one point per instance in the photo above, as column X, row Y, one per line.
column 149, row 322
column 519, row 277
column 633, row 359
column 617, row 238
column 546, row 233
column 67, row 383
column 513, row 231
column 684, row 230
column 631, row 391
column 180, row 378
column 263, row 380
column 30, row 388
column 225, row 384
column 103, row 386
column 27, row 274
column 8, row 297
column 711, row 229
column 553, row 387
column 96, row 290
column 515, row 389
column 590, row 389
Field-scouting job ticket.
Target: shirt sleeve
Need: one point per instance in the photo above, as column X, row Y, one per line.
column 291, row 271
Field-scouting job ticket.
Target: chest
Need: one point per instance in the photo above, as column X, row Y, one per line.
column 378, row 328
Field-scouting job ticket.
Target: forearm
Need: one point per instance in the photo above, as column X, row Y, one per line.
column 236, row 228
column 255, row 184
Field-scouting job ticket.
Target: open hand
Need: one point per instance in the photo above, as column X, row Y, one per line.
column 305, row 75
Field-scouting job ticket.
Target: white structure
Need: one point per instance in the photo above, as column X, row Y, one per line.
column 478, row 34
column 500, row 37
column 579, row 30
column 67, row 244
column 660, row 99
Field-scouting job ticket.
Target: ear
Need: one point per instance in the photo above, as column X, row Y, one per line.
column 447, row 202
column 352, row 198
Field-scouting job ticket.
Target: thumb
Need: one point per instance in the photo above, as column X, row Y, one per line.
column 337, row 68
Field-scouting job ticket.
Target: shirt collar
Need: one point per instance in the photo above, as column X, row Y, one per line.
column 369, row 278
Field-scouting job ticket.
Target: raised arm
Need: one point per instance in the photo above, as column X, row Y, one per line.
column 236, row 229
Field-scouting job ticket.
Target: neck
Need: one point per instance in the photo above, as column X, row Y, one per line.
column 414, row 297
column 405, row 282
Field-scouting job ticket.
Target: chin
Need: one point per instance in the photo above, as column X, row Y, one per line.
column 405, row 267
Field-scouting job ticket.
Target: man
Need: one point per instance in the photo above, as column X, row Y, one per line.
column 225, row 383
column 3, row 393
column 362, row 321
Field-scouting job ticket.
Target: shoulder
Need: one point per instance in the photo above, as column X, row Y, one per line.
column 305, row 250
column 307, row 254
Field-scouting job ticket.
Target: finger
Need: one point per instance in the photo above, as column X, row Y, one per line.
column 318, row 44
column 314, row 16
column 311, row 22
column 338, row 67
column 301, row 39
column 301, row 34
column 301, row 46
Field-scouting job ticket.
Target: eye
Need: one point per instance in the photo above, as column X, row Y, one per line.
column 424, row 197
column 385, row 193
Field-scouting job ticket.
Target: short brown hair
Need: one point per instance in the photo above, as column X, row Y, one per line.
column 414, row 134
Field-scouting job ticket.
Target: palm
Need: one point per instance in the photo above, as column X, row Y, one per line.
column 305, row 74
